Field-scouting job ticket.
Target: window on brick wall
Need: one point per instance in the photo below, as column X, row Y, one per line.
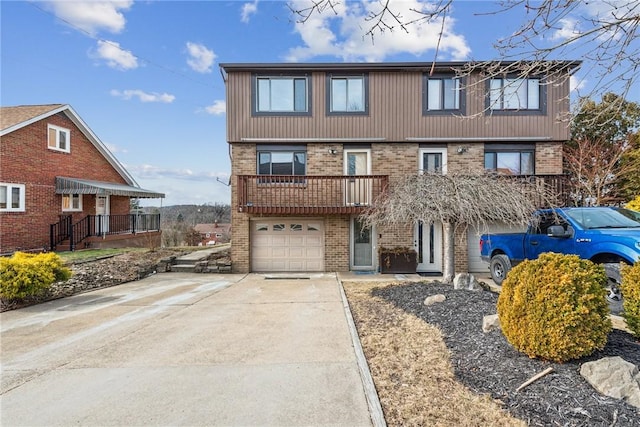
column 281, row 160
column 12, row 197
column 58, row 138
column 71, row 202
column 509, row 160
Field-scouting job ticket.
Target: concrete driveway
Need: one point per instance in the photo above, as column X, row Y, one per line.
column 185, row 349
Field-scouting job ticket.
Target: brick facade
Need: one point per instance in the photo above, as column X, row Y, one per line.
column 26, row 159
column 394, row 129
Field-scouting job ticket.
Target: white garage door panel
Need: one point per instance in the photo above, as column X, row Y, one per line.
column 476, row 265
column 287, row 245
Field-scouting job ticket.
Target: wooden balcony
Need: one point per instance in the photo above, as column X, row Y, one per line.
column 557, row 187
column 308, row 194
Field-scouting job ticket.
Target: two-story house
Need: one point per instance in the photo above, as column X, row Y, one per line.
column 313, row 144
column 61, row 188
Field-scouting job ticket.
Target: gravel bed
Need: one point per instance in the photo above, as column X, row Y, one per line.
column 486, row 362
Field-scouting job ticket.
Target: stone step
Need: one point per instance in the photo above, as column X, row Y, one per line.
column 183, row 268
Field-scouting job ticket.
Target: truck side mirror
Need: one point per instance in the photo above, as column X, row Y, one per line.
column 558, row 231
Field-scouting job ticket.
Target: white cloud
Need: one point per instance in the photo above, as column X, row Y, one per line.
column 342, row 34
column 218, row 107
column 143, row 96
column 568, row 28
column 116, row 149
column 576, row 84
column 200, row 58
column 248, row 9
column 157, row 172
column 92, row 16
column 115, row 56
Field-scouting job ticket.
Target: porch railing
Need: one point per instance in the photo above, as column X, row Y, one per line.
column 557, row 188
column 308, row 194
column 101, row 225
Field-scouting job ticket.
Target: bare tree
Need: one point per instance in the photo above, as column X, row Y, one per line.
column 595, row 166
column 605, row 30
column 458, row 201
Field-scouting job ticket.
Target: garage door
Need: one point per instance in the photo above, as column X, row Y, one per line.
column 287, row 245
column 476, row 265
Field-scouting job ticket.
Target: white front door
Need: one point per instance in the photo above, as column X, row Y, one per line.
column 102, row 214
column 428, row 237
column 357, row 190
column 362, row 246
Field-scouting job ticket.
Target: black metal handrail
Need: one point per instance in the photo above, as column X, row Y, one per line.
column 102, row 225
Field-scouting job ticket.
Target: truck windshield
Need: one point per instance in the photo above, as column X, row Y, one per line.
column 604, row 218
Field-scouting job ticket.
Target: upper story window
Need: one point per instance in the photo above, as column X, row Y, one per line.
column 282, row 95
column 516, row 95
column 58, row 138
column 282, row 160
column 347, row 94
column 509, row 160
column 72, row 202
column 443, row 94
column 12, row 197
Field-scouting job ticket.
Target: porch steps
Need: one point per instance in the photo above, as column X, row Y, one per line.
column 211, row 260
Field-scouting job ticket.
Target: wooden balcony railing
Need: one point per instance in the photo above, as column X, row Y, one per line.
column 557, row 188
column 308, row 194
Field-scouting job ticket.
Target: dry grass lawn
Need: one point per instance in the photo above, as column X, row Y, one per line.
column 411, row 368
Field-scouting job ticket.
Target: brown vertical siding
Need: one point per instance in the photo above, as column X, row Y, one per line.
column 395, row 114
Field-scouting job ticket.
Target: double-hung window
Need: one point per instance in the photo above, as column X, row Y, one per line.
column 443, row 94
column 58, row 138
column 12, row 197
column 516, row 94
column 72, row 202
column 282, row 160
column 347, row 94
column 509, row 160
column 282, row 95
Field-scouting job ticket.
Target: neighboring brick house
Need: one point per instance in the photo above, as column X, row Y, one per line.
column 313, row 144
column 211, row 234
column 61, row 188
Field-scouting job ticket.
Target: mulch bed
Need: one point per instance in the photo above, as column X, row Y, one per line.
column 486, row 362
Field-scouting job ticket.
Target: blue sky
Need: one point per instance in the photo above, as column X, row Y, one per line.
column 144, row 75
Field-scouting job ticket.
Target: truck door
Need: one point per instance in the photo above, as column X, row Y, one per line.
column 536, row 240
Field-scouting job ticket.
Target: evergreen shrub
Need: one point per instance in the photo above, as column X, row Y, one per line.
column 630, row 288
column 634, row 205
column 25, row 275
column 555, row 307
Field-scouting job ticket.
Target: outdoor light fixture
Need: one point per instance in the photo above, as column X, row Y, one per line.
column 462, row 150
column 333, row 151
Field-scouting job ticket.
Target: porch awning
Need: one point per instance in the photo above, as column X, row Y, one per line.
column 85, row 186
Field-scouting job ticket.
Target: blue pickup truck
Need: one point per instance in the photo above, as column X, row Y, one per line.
column 601, row 234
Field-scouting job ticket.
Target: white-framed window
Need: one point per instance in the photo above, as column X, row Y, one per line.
column 443, row 94
column 72, row 202
column 282, row 95
column 12, row 197
column 515, row 94
column 347, row 94
column 58, row 138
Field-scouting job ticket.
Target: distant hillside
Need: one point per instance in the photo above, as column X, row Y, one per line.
column 192, row 214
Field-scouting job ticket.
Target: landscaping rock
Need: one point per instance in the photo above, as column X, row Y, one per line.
column 434, row 299
column 490, row 323
column 614, row 377
column 466, row 281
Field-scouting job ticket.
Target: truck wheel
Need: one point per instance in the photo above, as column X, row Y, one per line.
column 499, row 267
column 614, row 296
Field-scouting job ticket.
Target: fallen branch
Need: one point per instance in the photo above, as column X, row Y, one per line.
column 534, row 378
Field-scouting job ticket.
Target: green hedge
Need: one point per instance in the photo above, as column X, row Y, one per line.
column 631, row 293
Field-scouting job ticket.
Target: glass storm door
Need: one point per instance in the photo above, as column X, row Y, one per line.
column 361, row 243
column 428, row 237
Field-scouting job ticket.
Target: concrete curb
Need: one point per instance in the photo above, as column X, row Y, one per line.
column 375, row 409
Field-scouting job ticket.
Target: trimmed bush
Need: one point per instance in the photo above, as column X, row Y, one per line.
column 630, row 287
column 26, row 275
column 555, row 307
column 634, row 204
